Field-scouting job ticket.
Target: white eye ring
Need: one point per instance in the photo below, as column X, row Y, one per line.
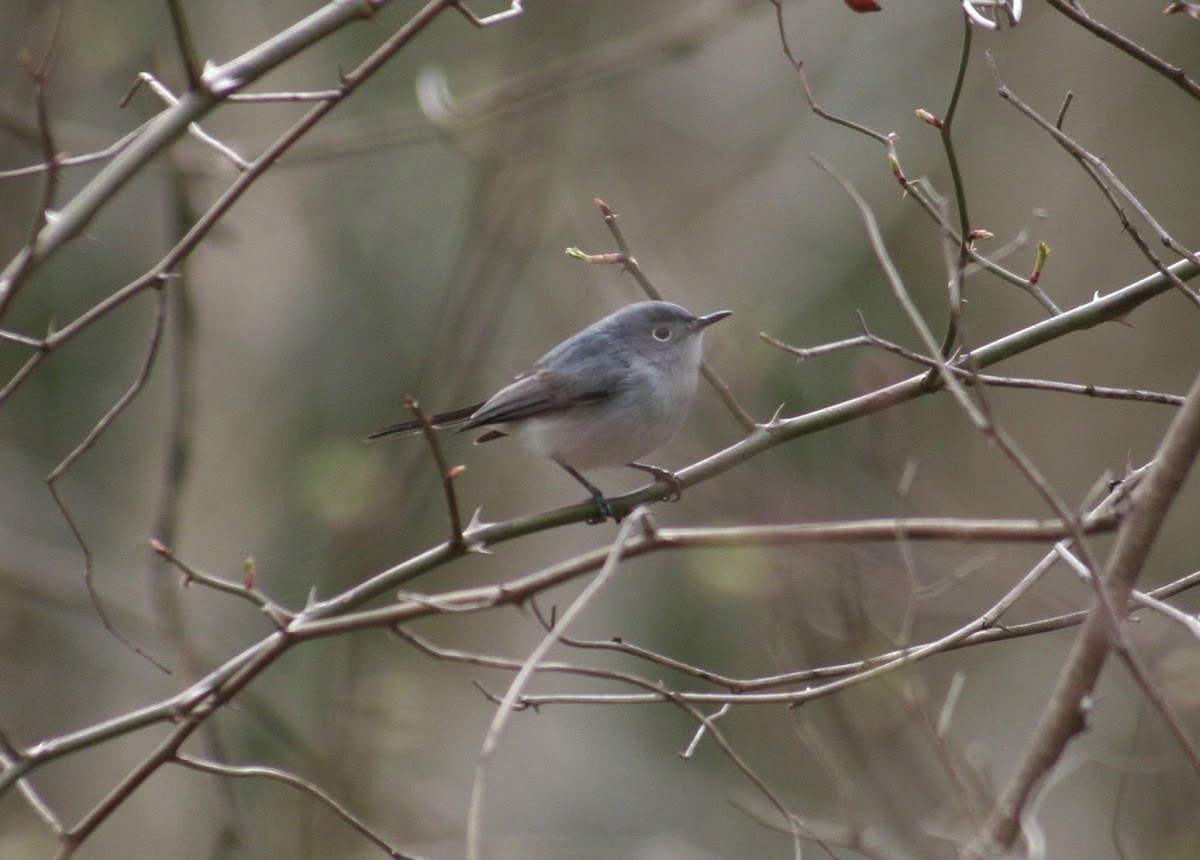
column 662, row 334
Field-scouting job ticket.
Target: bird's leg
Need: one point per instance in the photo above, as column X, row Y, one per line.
column 665, row 475
column 605, row 512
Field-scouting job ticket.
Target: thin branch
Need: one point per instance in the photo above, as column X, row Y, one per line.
column 875, row 237
column 276, row 613
column 299, row 783
column 39, row 74
column 740, row 687
column 183, row 41
column 925, row 197
column 1177, row 76
column 1068, row 97
column 285, row 98
column 1189, row 622
column 514, row 10
column 798, row 65
column 21, row 375
column 702, row 729
column 181, row 340
column 1102, row 392
column 171, row 100
column 446, row 474
column 9, row 756
column 63, row 161
column 82, row 448
column 1103, row 176
column 960, row 196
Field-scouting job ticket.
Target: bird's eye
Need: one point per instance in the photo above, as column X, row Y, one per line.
column 662, row 333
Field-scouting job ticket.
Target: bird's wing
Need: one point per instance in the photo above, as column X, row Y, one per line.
column 539, row 392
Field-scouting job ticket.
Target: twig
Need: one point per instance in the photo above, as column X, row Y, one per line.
column 299, row 783
column 171, row 100
column 9, row 756
column 1183, row 619
column 1177, row 76
column 276, row 613
column 446, row 474
column 1062, row 110
column 82, row 448
column 183, row 41
column 39, row 74
column 333, row 616
column 22, row 374
column 620, row 646
column 514, row 10
column 901, row 294
column 181, row 339
column 870, row 339
column 798, row 65
column 1100, row 173
column 703, row 728
column 926, row 198
column 960, row 196
column 63, row 161
column 285, row 98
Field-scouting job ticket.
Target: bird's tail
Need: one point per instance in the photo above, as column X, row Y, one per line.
column 453, row 418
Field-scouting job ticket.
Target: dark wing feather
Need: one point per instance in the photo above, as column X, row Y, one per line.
column 538, row 392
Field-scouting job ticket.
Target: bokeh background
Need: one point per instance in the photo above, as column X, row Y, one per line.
column 416, row 247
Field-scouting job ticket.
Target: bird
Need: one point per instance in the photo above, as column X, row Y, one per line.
column 607, row 396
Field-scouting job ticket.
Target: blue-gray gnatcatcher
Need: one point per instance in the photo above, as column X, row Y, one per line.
column 611, row 394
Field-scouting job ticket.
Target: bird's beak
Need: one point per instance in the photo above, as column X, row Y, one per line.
column 707, row 320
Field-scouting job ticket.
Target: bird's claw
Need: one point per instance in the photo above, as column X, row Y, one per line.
column 604, row 512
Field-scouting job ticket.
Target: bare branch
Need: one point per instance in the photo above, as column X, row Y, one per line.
column 1175, row 75
column 183, row 41
column 446, row 474
column 301, row 784
column 82, row 448
column 1107, row 181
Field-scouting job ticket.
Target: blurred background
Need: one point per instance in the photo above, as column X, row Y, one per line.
column 413, row 244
